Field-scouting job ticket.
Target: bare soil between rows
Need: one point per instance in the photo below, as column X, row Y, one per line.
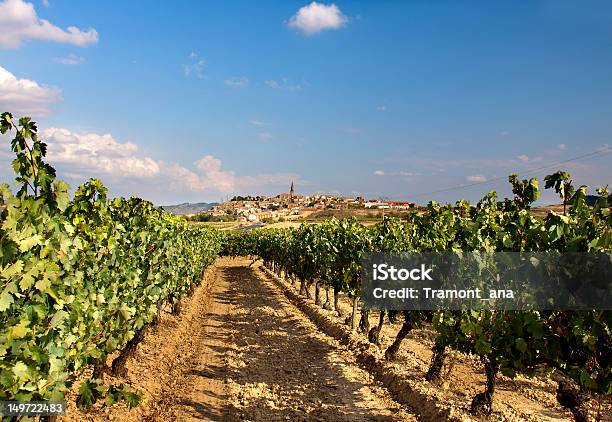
column 240, row 350
column 246, row 346
column 518, row 399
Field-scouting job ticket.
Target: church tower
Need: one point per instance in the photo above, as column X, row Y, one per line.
column 291, row 191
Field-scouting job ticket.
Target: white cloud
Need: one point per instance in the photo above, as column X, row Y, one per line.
column 45, row 3
column 213, row 177
column 317, row 17
column 257, row 122
column 100, row 154
column 285, row 84
column 476, row 178
column 24, row 96
column 527, row 159
column 19, row 23
column 78, row 155
column 264, row 136
column 353, row 130
column 70, row 59
column 408, row 173
column 562, row 147
column 381, row 108
column 504, row 133
column 237, row 82
column 196, row 67
column 397, row 173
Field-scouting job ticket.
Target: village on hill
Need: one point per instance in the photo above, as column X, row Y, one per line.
column 291, row 205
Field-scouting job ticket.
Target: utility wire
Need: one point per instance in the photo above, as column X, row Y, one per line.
column 583, row 157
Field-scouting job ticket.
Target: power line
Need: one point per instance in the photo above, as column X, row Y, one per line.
column 583, row 157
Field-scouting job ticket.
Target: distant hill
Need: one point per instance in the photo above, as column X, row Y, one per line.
column 188, row 208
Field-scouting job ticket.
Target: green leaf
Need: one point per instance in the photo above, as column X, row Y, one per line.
column 58, row 318
column 43, row 284
column 20, row 330
column 6, row 299
column 56, row 365
column 521, row 345
column 132, row 399
column 29, row 242
column 89, row 392
column 26, row 281
column 6, row 378
column 482, row 347
column 110, row 400
column 11, row 270
column 62, row 197
column 21, row 371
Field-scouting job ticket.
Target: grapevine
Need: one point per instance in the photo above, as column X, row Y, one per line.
column 80, row 277
column 574, row 343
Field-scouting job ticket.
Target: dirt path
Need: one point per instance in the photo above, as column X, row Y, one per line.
column 239, row 350
column 281, row 368
column 242, row 348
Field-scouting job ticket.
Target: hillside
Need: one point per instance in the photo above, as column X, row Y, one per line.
column 187, row 208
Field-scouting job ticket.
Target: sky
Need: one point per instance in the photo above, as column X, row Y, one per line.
column 195, row 101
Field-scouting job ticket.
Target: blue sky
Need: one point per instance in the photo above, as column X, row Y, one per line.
column 195, row 101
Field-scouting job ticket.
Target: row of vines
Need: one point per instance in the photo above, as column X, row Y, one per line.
column 80, row 278
column 575, row 344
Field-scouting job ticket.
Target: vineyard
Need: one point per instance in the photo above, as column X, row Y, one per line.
column 85, row 280
column 81, row 278
column 576, row 344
